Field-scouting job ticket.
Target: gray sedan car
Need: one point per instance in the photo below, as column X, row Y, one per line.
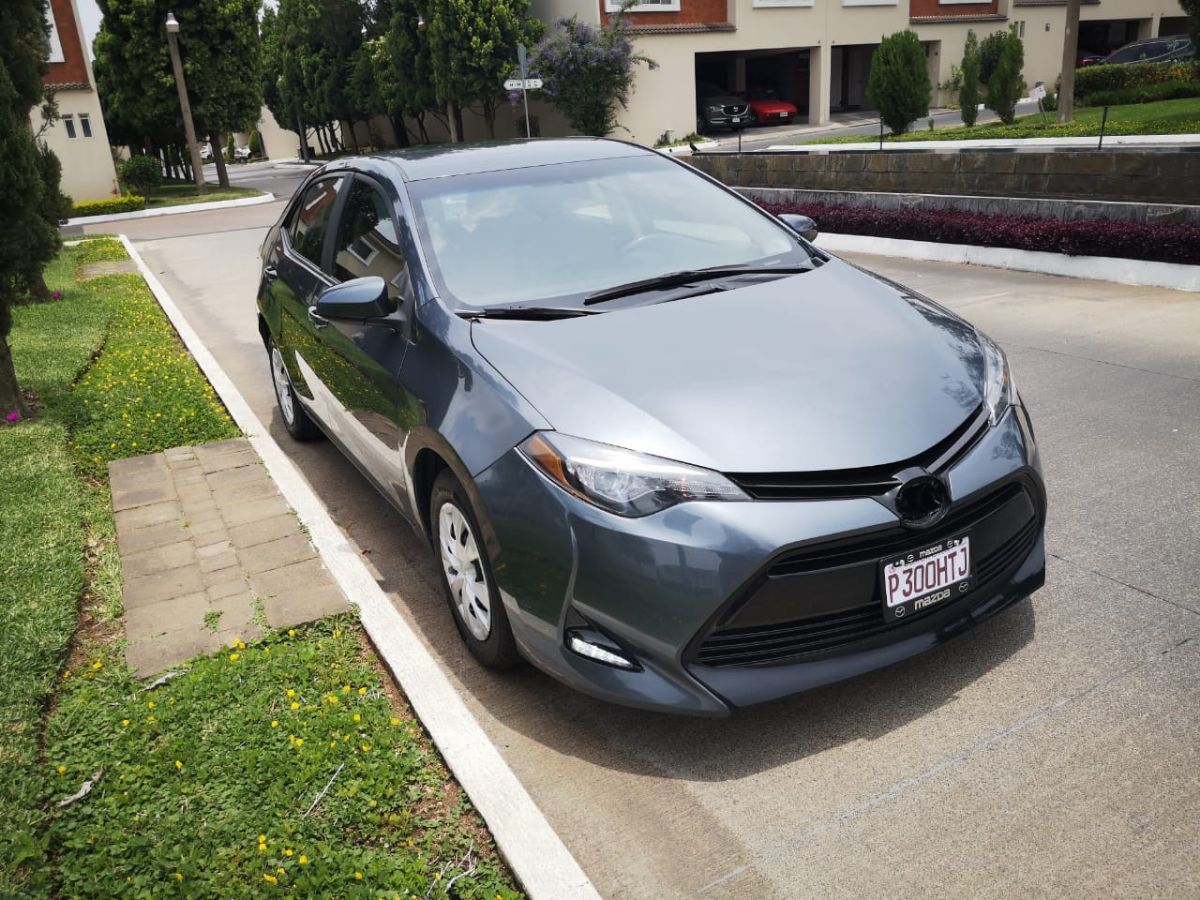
column 662, row 446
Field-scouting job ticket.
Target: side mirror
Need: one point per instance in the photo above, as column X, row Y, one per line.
column 359, row 298
column 802, row 225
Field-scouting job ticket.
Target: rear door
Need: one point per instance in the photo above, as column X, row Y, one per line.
column 356, row 371
column 300, row 277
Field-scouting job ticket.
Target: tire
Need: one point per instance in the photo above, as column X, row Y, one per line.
column 467, row 576
column 295, row 419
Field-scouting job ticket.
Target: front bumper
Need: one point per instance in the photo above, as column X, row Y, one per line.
column 662, row 586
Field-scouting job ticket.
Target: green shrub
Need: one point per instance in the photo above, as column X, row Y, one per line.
column 128, row 203
column 968, row 93
column 230, row 147
column 1006, row 85
column 142, row 173
column 990, row 49
column 1050, row 102
column 1149, row 93
column 899, row 81
column 256, row 145
column 1093, row 79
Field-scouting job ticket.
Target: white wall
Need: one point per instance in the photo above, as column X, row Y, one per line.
column 87, row 166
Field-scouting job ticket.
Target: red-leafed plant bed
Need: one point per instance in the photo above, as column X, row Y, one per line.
column 1171, row 243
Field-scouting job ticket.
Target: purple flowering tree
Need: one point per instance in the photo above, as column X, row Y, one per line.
column 588, row 71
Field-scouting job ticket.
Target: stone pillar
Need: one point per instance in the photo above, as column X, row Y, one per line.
column 819, row 70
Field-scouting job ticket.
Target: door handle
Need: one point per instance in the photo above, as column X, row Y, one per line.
column 318, row 321
column 270, row 273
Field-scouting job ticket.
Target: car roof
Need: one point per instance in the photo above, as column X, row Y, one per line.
column 447, row 160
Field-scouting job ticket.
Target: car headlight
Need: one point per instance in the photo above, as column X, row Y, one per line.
column 619, row 480
column 716, row 109
column 998, row 391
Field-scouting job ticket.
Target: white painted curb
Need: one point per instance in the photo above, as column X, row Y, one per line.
column 536, row 854
column 173, row 210
column 1095, row 268
column 1085, row 143
column 685, row 150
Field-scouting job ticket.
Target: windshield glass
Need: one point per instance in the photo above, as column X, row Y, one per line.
column 550, row 235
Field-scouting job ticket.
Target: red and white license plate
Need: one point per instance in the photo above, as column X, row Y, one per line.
column 926, row 578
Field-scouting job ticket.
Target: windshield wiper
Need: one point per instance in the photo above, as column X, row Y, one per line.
column 687, row 276
column 535, row 313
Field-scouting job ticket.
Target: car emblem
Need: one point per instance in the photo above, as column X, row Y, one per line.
column 922, row 500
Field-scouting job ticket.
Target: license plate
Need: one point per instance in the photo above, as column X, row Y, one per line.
column 926, row 578
column 782, row 115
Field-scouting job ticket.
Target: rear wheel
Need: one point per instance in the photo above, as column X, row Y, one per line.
column 295, row 419
column 467, row 576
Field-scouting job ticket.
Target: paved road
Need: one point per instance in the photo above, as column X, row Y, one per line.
column 1054, row 752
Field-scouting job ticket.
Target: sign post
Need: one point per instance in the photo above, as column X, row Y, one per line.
column 523, row 63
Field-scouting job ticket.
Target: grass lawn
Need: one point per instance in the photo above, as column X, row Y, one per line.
column 175, row 193
column 202, row 786
column 1161, row 117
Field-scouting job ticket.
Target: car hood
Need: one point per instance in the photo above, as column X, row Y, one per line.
column 722, row 100
column 829, row 369
column 772, row 106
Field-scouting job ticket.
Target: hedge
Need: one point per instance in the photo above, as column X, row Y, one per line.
column 1149, row 93
column 1092, row 79
column 128, row 203
column 1159, row 242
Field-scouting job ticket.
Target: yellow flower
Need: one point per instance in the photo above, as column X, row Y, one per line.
column 62, row 770
column 287, row 852
column 291, row 693
column 303, row 860
column 178, row 764
column 149, row 704
column 149, row 718
column 337, row 634
column 281, row 870
column 395, row 721
column 274, row 723
column 299, row 742
column 332, row 698
column 357, row 717
column 262, row 838
column 97, row 664
column 179, row 876
column 291, row 632
column 358, row 876
column 345, row 688
column 233, row 657
column 362, row 691
column 270, row 879
column 366, row 748
column 262, row 848
column 295, row 705
column 125, row 722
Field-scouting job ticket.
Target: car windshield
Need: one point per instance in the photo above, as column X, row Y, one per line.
column 1133, row 52
column 551, row 235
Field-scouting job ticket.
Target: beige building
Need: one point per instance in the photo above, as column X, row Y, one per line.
column 817, row 53
column 79, row 137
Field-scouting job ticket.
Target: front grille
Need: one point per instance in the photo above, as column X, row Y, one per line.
column 733, row 110
column 773, row 642
column 870, row 481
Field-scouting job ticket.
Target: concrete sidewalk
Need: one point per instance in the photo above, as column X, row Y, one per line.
column 210, row 554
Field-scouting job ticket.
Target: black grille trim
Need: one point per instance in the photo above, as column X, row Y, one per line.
column 780, row 642
column 871, row 481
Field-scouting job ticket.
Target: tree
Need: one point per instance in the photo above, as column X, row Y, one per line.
column 989, row 55
column 222, row 59
column 968, row 94
column 899, row 81
column 1192, row 8
column 1066, row 88
column 24, row 242
column 473, row 46
column 403, row 66
column 1007, row 86
column 44, row 241
column 589, row 72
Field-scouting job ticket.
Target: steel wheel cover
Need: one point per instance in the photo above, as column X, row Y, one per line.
column 283, row 391
column 463, row 567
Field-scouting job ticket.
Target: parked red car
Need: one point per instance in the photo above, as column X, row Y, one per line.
column 768, row 109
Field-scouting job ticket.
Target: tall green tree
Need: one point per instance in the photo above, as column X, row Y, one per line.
column 1006, row 85
column 473, row 44
column 222, row 61
column 968, row 94
column 25, row 245
column 1192, row 8
column 899, row 81
column 404, row 68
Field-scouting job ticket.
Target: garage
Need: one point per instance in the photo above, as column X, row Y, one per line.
column 780, row 74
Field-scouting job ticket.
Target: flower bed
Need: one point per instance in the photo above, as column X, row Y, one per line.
column 1170, row 243
column 128, row 203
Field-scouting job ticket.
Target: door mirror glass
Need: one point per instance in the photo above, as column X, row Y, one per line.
column 359, row 298
column 802, row 225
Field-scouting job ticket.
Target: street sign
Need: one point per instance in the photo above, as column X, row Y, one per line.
column 1038, row 92
column 518, row 84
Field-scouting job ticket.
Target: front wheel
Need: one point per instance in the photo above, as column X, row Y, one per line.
column 295, row 419
column 467, row 576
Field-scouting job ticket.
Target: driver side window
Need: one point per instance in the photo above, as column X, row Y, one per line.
column 367, row 242
column 311, row 219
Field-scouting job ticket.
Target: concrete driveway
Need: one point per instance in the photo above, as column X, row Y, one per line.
column 1055, row 751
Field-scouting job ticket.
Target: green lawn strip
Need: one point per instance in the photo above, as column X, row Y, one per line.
column 207, row 780
column 177, row 194
column 1162, row 117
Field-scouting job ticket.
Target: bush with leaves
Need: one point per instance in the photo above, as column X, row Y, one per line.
column 142, row 173
column 968, row 94
column 990, row 49
column 1007, row 86
column 899, row 81
column 588, row 71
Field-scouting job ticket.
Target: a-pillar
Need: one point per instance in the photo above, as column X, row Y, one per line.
column 820, row 68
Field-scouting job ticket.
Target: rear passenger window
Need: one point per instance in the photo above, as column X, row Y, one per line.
column 311, row 220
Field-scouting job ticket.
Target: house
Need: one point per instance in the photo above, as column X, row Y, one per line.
column 79, row 137
column 817, row 53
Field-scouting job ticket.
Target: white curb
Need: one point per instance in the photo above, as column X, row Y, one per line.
column 173, row 210
column 1083, row 143
column 685, row 149
column 536, row 854
column 1175, row 276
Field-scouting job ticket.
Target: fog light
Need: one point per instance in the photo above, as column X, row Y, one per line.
column 595, row 646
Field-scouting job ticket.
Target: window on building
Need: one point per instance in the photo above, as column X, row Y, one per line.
column 85, row 124
column 69, row 124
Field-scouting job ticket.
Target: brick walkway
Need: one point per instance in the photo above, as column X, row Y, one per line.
column 210, row 552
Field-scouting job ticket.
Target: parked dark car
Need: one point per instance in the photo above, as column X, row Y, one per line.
column 717, row 109
column 661, row 445
column 1162, row 49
